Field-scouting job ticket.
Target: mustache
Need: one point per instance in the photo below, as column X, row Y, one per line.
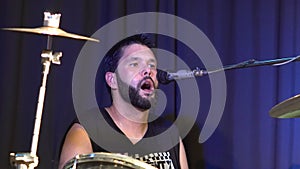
column 146, row 78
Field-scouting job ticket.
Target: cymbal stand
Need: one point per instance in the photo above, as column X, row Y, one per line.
column 30, row 160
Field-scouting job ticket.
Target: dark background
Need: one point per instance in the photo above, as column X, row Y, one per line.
column 246, row 137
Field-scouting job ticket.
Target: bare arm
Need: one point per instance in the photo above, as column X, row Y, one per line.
column 182, row 156
column 76, row 142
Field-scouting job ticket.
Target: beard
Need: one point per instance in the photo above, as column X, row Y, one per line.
column 131, row 94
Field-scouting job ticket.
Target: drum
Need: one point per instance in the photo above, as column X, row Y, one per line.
column 105, row 160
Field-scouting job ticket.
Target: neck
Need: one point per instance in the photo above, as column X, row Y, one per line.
column 131, row 121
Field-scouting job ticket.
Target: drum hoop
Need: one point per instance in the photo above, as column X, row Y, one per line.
column 108, row 157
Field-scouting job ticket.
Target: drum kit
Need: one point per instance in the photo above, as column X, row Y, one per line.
column 289, row 108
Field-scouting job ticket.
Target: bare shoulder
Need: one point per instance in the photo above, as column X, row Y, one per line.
column 76, row 142
column 182, row 156
column 76, row 131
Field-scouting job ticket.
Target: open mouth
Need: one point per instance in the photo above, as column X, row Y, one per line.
column 147, row 86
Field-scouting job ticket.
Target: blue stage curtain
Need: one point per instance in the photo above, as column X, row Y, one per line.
column 246, row 137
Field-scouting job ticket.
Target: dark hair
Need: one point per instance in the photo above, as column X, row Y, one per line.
column 112, row 57
column 110, row 63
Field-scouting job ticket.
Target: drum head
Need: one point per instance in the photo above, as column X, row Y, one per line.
column 104, row 160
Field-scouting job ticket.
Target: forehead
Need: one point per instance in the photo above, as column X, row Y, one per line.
column 137, row 51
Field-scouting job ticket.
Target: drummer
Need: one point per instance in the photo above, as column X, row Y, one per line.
column 129, row 72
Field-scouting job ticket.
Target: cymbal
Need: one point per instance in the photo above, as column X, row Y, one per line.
column 48, row 30
column 289, row 108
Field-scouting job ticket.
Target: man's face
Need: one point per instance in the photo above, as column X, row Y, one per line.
column 136, row 74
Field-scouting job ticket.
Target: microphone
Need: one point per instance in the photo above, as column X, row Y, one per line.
column 164, row 77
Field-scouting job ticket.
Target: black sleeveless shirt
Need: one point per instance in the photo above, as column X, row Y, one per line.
column 150, row 149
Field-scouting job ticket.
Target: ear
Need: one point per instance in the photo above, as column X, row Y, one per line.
column 111, row 80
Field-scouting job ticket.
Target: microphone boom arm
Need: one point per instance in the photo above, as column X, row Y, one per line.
column 167, row 77
column 255, row 63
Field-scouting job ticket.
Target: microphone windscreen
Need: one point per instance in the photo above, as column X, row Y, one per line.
column 162, row 77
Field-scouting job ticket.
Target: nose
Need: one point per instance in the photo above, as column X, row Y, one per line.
column 146, row 71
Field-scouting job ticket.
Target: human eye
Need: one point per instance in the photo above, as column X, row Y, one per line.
column 133, row 64
column 152, row 65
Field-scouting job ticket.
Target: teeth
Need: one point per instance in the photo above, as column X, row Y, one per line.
column 146, row 85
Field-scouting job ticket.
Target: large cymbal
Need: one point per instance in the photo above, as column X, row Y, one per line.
column 48, row 30
column 289, row 108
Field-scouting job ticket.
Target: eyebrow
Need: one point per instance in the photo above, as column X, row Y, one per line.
column 138, row 58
